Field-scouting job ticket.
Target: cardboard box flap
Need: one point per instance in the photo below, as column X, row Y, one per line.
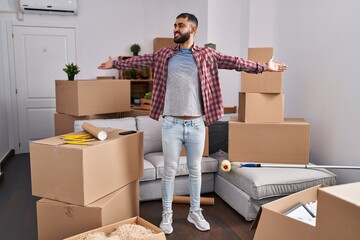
column 347, row 192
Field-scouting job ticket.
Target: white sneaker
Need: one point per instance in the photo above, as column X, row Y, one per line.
column 166, row 222
column 198, row 220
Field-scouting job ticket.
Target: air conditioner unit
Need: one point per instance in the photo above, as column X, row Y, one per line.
column 52, row 7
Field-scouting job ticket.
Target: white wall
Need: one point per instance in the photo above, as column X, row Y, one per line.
column 320, row 42
column 229, row 30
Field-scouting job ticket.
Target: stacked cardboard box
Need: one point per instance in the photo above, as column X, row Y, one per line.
column 84, row 187
column 261, row 133
column 89, row 99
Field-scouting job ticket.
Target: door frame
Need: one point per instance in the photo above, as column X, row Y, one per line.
column 13, row 121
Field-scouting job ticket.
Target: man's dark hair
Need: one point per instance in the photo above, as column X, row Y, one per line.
column 190, row 17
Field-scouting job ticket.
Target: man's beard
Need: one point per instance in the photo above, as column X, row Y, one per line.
column 182, row 38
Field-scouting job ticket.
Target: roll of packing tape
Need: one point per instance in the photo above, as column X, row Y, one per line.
column 96, row 132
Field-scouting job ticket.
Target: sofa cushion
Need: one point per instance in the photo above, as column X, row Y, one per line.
column 118, row 123
column 152, row 133
column 264, row 182
column 149, row 172
column 208, row 164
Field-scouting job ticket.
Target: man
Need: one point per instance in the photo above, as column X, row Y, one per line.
column 186, row 92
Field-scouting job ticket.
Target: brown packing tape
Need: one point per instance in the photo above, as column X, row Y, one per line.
column 96, row 132
column 186, row 199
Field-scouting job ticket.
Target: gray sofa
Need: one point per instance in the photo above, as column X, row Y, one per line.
column 244, row 189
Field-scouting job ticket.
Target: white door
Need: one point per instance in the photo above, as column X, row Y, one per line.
column 40, row 54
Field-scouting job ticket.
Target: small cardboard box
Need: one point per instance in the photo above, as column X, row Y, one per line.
column 287, row 142
column 87, row 97
column 272, row 224
column 338, row 212
column 163, row 42
column 262, row 54
column 158, row 233
column 206, row 146
column 261, row 107
column 58, row 220
column 80, row 174
column 266, row 82
column 65, row 123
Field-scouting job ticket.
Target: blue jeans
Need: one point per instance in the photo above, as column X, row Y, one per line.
column 175, row 133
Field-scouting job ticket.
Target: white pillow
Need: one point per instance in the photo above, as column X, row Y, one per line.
column 152, row 133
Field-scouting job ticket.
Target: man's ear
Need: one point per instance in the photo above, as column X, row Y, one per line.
column 193, row 29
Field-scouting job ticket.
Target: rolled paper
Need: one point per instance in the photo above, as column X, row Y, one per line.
column 225, row 166
column 96, row 132
column 186, row 199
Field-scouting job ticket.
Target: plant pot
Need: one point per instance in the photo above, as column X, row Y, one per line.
column 137, row 101
column 71, row 77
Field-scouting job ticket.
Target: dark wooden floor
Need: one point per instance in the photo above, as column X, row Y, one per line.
column 18, row 210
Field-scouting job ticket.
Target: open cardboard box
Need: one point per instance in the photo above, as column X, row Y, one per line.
column 272, row 224
column 158, row 233
column 80, row 174
column 338, row 212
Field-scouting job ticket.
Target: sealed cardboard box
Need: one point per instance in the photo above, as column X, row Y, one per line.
column 59, row 220
column 163, row 42
column 64, row 123
column 262, row 54
column 261, row 107
column 206, row 146
column 266, row 82
column 87, row 97
column 338, row 212
column 272, row 224
column 81, row 174
column 287, row 142
column 158, row 234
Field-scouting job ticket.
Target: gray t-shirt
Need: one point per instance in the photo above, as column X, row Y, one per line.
column 183, row 93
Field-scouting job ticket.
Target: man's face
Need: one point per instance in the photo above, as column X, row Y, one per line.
column 182, row 30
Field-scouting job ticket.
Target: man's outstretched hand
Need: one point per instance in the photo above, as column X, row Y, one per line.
column 106, row 65
column 272, row 66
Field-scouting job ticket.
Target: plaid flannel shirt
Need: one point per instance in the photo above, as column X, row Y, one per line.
column 208, row 62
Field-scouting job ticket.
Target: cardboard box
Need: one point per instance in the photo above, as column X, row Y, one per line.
column 261, row 107
column 266, row 82
column 206, row 146
column 272, row 224
column 163, row 42
column 80, row 174
column 135, row 113
column 287, row 142
column 338, row 212
column 58, row 220
column 158, row 233
column 87, row 97
column 65, row 123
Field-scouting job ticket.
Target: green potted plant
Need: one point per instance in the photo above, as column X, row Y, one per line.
column 136, row 98
column 71, row 70
column 146, row 101
column 135, row 49
column 133, row 73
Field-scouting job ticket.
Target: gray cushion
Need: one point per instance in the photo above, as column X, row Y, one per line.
column 152, row 133
column 118, row 123
column 149, row 172
column 208, row 164
column 264, row 182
